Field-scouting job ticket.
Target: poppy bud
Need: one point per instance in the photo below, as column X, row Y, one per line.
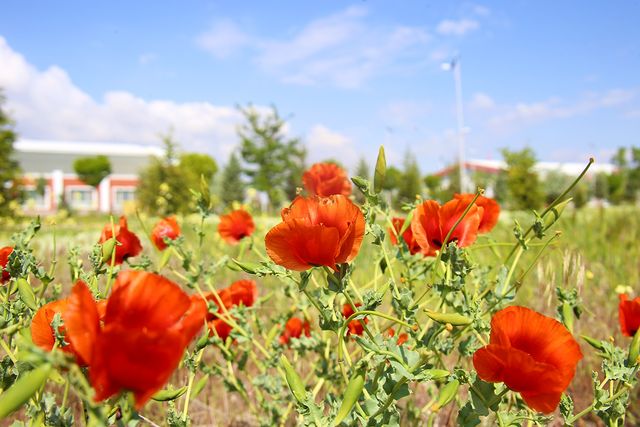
column 447, row 394
column 107, row 250
column 293, row 379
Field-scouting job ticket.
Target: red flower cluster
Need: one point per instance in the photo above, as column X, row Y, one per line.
column 4, row 259
column 243, row 292
column 129, row 243
column 148, row 322
column 355, row 327
column 167, row 227
column 629, row 315
column 316, row 231
column 326, row 179
column 432, row 222
column 532, row 354
column 408, row 238
column 294, row 328
column 235, row 226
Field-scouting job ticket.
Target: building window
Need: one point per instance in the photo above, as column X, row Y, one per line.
column 123, row 196
column 35, row 200
column 82, row 198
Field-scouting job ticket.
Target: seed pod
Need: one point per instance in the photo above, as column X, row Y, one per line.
column 293, row 379
column 25, row 387
column 197, row 388
column 26, row 294
column 247, row 267
column 351, row 396
column 447, row 394
column 554, row 214
column 166, row 395
column 453, row 318
column 437, row 374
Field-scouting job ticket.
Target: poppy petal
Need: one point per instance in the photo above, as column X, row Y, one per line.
column 82, row 321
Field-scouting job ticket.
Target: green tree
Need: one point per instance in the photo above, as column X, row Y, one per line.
column 555, row 183
column 163, row 187
column 433, row 184
column 601, row 190
column 392, row 179
column 232, row 185
column 195, row 165
column 92, row 170
column 10, row 189
column 411, row 183
column 522, row 180
column 274, row 162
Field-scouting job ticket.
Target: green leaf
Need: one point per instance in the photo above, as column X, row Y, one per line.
column 447, row 394
column 351, row 396
column 25, row 387
column 166, row 395
column 26, row 294
column 380, row 172
column 197, row 388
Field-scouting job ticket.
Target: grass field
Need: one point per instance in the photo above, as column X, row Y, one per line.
column 597, row 252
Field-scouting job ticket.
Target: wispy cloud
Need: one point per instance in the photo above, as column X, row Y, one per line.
column 481, row 101
column 324, row 143
column 341, row 49
column 557, row 108
column 224, row 38
column 460, row 27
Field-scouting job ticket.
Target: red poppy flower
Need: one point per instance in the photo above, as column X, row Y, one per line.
column 629, row 315
column 235, row 226
column 4, row 259
column 294, row 328
column 42, row 333
column 355, row 327
column 408, row 238
column 167, row 227
column 532, row 354
column 326, row 179
column 490, row 210
column 431, row 223
column 243, row 292
column 316, row 231
column 402, row 338
column 149, row 321
column 129, row 243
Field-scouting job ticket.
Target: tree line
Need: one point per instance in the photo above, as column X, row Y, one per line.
column 267, row 166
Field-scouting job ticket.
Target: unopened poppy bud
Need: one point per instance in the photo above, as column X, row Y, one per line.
column 554, row 213
column 593, row 342
column 351, row 396
column 107, row 250
column 447, row 394
column 293, row 379
column 567, row 315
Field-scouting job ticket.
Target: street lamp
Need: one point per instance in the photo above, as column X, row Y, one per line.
column 455, row 66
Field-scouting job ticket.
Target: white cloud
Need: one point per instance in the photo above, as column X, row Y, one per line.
column 341, row 49
column 633, row 114
column 449, row 27
column 556, row 108
column 481, row 10
column 47, row 104
column 404, row 113
column 481, row 101
column 223, row 39
column 324, row 143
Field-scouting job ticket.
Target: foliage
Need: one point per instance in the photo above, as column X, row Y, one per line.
column 93, row 169
column 232, row 186
column 411, row 184
column 362, row 170
column 273, row 162
column 196, row 165
column 10, row 188
column 522, row 181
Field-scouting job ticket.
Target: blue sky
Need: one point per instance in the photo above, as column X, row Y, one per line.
column 561, row 77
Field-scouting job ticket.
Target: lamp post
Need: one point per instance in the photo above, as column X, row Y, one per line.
column 455, row 66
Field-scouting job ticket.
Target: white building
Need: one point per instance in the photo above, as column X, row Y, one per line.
column 49, row 177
